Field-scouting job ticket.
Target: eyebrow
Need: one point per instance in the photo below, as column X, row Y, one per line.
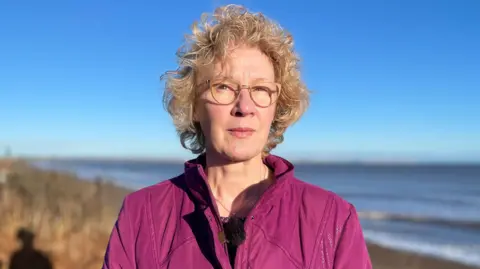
column 230, row 78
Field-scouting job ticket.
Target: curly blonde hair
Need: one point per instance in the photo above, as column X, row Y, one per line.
column 211, row 40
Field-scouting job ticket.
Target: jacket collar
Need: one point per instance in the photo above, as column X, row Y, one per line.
column 196, row 179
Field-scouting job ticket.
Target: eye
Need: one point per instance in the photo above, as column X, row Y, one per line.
column 261, row 88
column 222, row 87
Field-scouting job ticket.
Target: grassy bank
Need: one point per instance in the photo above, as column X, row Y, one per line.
column 71, row 220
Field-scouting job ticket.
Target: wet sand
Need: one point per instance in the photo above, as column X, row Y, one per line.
column 385, row 258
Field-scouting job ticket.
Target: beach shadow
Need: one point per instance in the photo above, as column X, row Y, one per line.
column 27, row 257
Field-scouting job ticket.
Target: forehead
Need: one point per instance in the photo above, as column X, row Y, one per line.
column 242, row 64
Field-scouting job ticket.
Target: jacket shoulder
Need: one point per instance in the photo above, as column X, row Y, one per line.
column 158, row 196
column 321, row 202
column 142, row 221
column 338, row 231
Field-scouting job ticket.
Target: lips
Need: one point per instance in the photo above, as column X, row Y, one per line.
column 241, row 132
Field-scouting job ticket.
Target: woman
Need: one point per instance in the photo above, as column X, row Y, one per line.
column 235, row 93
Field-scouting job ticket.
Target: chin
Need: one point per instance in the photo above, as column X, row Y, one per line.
column 242, row 154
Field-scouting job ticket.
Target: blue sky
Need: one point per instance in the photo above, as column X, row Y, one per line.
column 390, row 79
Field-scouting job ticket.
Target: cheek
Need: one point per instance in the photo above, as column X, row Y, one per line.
column 214, row 117
column 267, row 117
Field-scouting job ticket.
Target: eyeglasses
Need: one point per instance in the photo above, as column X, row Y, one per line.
column 262, row 93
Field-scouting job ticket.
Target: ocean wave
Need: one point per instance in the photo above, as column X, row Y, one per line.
column 453, row 201
column 376, row 215
column 466, row 254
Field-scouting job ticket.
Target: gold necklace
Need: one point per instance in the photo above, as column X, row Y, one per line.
column 222, row 205
column 265, row 175
column 221, row 234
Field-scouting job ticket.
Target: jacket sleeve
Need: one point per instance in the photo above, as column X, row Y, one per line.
column 120, row 252
column 352, row 252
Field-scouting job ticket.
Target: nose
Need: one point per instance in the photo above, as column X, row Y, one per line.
column 244, row 105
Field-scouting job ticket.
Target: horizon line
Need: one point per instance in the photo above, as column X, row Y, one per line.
column 295, row 160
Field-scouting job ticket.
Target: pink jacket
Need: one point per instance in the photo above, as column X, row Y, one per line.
column 174, row 224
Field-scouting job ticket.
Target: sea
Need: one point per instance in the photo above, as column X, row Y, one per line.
column 430, row 209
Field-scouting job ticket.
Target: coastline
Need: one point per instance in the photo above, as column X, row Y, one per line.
column 72, row 219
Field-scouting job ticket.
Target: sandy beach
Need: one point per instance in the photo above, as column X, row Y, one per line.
column 70, row 220
column 384, row 258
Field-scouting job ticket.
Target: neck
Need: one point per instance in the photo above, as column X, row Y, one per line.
column 229, row 180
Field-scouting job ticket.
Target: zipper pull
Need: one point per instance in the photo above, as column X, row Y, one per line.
column 221, row 237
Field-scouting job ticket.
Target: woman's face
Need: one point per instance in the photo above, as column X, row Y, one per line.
column 237, row 130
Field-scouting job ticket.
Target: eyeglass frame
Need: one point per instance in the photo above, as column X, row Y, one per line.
column 244, row 86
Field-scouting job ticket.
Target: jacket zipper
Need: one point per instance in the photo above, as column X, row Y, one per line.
column 217, row 231
column 240, row 249
column 251, row 215
column 216, row 216
column 221, row 230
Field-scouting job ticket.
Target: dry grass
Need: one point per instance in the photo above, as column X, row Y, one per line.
column 71, row 218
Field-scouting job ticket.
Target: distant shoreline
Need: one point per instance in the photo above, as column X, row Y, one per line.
column 386, row 163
